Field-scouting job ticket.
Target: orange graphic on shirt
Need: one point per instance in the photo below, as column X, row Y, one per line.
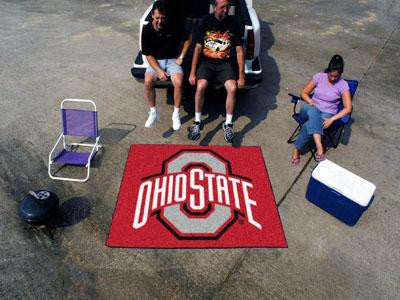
column 217, row 44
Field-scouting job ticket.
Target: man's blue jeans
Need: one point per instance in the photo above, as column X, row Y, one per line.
column 313, row 123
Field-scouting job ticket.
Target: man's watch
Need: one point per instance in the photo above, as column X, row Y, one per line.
column 181, row 57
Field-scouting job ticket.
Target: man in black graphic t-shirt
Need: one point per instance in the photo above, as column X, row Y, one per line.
column 161, row 46
column 218, row 35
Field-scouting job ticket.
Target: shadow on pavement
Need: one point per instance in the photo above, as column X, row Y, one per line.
column 256, row 103
column 72, row 211
column 115, row 132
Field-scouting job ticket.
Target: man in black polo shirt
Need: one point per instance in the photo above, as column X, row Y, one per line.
column 161, row 44
column 218, row 35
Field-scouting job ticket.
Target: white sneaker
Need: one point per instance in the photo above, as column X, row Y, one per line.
column 153, row 118
column 176, row 121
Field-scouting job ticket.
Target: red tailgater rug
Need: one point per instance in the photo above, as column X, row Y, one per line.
column 177, row 196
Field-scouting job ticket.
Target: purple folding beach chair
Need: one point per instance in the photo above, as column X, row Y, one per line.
column 76, row 123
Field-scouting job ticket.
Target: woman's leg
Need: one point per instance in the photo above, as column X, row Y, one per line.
column 314, row 127
column 308, row 114
column 318, row 135
column 318, row 143
column 301, row 140
column 312, row 118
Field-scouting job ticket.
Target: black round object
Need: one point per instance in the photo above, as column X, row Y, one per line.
column 38, row 207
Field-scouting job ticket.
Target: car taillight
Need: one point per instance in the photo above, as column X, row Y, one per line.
column 250, row 44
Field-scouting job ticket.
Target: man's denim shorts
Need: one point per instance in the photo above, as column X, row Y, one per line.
column 168, row 65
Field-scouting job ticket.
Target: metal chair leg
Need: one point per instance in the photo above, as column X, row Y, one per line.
column 338, row 138
column 295, row 133
column 331, row 137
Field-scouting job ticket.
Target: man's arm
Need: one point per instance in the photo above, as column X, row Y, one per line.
column 154, row 64
column 185, row 49
column 195, row 61
column 240, row 61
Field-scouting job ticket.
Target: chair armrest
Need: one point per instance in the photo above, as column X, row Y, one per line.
column 54, row 147
column 95, row 148
column 295, row 99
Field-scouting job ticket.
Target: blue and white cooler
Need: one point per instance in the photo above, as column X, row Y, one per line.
column 339, row 192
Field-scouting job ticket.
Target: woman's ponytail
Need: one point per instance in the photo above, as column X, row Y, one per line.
column 336, row 64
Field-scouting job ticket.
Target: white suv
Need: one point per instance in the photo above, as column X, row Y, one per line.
column 247, row 18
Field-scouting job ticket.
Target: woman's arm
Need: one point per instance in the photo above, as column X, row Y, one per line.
column 305, row 93
column 346, row 98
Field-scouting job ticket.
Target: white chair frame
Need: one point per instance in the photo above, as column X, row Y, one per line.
column 95, row 147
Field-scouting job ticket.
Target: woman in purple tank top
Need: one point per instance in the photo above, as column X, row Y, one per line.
column 321, row 109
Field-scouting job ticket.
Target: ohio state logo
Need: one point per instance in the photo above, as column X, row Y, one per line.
column 195, row 196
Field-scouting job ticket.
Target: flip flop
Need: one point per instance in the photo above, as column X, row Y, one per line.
column 295, row 160
column 320, row 157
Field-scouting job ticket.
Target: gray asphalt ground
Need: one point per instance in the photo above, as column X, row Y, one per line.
column 50, row 50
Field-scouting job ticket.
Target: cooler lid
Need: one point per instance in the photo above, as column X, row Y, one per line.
column 344, row 182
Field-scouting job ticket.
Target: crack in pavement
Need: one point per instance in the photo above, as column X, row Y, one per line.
column 244, row 254
column 372, row 63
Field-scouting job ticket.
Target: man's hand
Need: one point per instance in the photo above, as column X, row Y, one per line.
column 327, row 123
column 240, row 83
column 179, row 61
column 163, row 75
column 192, row 79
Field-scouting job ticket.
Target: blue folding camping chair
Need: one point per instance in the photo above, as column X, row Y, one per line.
column 77, row 123
column 333, row 133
